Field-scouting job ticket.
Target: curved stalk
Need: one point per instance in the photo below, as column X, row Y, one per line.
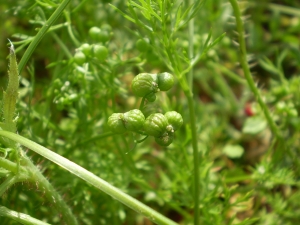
column 246, row 69
column 91, row 179
column 10, row 181
column 41, row 34
column 10, row 166
column 52, row 195
column 20, row 217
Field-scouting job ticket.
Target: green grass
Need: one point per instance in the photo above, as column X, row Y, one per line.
column 235, row 159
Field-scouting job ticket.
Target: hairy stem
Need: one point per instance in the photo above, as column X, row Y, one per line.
column 246, row 69
column 52, row 195
column 32, row 173
column 11, row 180
column 91, row 179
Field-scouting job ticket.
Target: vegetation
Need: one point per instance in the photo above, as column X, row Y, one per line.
column 149, row 112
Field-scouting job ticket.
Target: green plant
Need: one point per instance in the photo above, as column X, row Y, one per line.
column 99, row 35
column 225, row 137
column 131, row 121
column 147, row 85
column 79, row 58
column 156, row 125
column 117, row 123
column 100, row 52
column 174, row 119
column 144, row 84
column 86, row 49
column 142, row 44
column 165, row 81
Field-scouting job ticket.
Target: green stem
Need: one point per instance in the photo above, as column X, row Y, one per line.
column 20, row 217
column 33, row 174
column 191, row 49
column 189, row 94
column 96, row 138
column 52, row 195
column 127, row 158
column 246, row 69
column 91, row 179
column 62, row 46
column 8, row 165
column 11, row 180
column 195, row 156
column 142, row 103
column 237, row 179
column 193, row 122
column 284, row 9
column 235, row 77
column 72, row 36
column 41, row 34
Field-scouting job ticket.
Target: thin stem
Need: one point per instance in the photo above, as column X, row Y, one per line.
column 191, row 49
column 237, row 179
column 20, row 217
column 62, row 45
column 196, row 158
column 96, row 138
column 127, row 158
column 142, row 103
column 284, row 9
column 193, row 122
column 246, row 69
column 72, row 36
column 8, row 165
column 91, row 179
column 11, row 180
column 235, row 77
column 189, row 95
column 41, row 34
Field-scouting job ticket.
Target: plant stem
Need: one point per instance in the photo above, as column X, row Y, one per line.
column 195, row 156
column 8, row 165
column 11, row 180
column 91, row 179
column 52, row 195
column 284, row 9
column 235, row 77
column 191, row 49
column 72, row 36
column 142, row 103
column 62, row 45
column 246, row 69
column 41, row 34
column 95, row 138
column 189, row 96
column 20, row 217
column 31, row 173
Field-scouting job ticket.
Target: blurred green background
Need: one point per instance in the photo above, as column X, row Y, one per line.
column 244, row 175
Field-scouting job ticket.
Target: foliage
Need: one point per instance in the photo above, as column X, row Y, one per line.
column 240, row 121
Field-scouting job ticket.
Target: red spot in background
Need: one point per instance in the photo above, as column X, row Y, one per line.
column 248, row 109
